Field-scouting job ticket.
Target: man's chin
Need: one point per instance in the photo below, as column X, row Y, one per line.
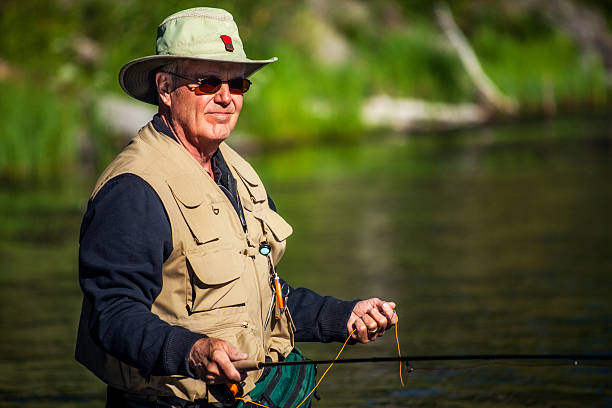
column 217, row 137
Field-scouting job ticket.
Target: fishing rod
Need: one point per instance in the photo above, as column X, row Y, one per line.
column 252, row 365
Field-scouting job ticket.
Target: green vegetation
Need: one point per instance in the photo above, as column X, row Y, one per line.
column 38, row 139
column 549, row 64
column 62, row 56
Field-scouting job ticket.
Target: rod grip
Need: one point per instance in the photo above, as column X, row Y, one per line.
column 246, row 365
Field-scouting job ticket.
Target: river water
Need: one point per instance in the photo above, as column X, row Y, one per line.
column 495, row 240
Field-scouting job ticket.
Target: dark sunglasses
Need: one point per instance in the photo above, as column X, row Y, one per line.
column 211, row 84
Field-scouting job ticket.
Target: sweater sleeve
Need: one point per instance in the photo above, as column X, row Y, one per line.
column 125, row 238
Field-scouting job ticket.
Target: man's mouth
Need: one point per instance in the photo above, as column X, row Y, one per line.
column 220, row 117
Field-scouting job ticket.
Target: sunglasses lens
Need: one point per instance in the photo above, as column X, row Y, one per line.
column 239, row 85
column 209, row 85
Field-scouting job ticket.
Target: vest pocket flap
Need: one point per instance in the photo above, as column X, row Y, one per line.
column 253, row 185
column 277, row 224
column 246, row 172
column 186, row 190
column 214, row 281
column 193, row 202
column 216, row 268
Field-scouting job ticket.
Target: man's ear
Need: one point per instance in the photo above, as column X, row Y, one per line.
column 164, row 87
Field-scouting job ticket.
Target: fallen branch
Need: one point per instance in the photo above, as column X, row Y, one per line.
column 492, row 96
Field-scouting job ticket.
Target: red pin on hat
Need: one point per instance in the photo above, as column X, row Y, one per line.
column 227, row 40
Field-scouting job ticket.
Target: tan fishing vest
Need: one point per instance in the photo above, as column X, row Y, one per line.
column 215, row 281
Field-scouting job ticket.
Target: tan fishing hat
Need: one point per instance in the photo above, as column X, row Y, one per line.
column 202, row 34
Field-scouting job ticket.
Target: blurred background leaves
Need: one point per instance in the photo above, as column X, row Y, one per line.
column 59, row 60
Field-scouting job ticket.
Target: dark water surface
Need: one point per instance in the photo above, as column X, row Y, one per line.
column 490, row 241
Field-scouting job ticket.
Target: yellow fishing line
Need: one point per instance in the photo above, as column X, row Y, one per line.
column 330, row 366
column 399, row 353
column 246, row 402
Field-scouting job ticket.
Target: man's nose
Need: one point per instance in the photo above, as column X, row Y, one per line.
column 223, row 96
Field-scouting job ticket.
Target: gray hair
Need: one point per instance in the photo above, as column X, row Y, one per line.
column 174, row 67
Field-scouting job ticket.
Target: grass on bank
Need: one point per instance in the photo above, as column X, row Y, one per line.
column 38, row 129
column 543, row 70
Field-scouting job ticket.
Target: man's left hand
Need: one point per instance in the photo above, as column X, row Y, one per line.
column 370, row 318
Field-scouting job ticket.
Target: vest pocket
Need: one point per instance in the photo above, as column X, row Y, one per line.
column 192, row 202
column 275, row 228
column 280, row 228
column 214, row 279
column 257, row 192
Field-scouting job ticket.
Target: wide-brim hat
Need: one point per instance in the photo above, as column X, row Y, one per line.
column 200, row 34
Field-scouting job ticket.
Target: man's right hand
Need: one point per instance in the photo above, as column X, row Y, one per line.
column 210, row 359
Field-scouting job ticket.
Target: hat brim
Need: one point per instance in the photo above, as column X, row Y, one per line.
column 137, row 77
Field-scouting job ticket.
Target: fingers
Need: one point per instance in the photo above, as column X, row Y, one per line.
column 361, row 334
column 235, row 355
column 364, row 306
column 385, row 309
column 225, row 368
column 388, row 308
column 371, row 318
column 370, row 323
column 366, row 329
column 350, row 325
column 211, row 360
column 380, row 320
column 212, row 375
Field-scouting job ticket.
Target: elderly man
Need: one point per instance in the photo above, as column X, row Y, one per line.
column 180, row 241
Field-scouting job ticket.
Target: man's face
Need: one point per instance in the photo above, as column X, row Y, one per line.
column 205, row 119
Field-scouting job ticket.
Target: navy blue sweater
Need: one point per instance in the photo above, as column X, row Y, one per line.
column 125, row 238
